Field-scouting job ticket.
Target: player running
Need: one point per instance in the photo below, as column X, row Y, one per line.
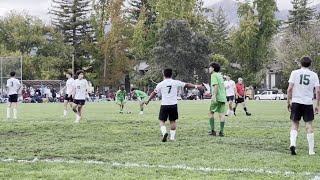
column 218, row 100
column 231, row 90
column 168, row 89
column 142, row 97
column 302, row 82
column 240, row 97
column 13, row 88
column 68, row 99
column 121, row 98
column 80, row 92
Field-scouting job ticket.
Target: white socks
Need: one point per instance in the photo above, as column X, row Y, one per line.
column 310, row 138
column 293, row 138
column 65, row 112
column 77, row 118
column 8, row 113
column 14, row 113
column 163, row 130
column 172, row 135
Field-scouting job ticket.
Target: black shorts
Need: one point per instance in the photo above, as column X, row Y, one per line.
column 170, row 111
column 230, row 98
column 67, row 98
column 239, row 100
column 301, row 110
column 79, row 102
column 13, row 98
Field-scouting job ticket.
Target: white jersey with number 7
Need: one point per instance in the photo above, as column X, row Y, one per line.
column 304, row 81
column 168, row 88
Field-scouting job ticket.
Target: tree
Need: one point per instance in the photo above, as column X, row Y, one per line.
column 72, row 19
column 137, row 6
column 179, row 47
column 300, row 16
column 138, row 45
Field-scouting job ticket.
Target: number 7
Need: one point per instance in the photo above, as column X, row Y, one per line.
column 169, row 89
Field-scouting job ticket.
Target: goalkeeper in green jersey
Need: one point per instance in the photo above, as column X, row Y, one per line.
column 142, row 97
column 121, row 98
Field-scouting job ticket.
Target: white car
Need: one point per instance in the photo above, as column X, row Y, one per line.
column 270, row 95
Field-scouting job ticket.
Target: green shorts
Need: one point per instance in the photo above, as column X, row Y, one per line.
column 144, row 100
column 121, row 101
column 220, row 107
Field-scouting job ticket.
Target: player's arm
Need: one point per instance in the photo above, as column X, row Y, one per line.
column 152, row 95
column 189, row 85
column 73, row 92
column 20, row 85
column 289, row 92
column 235, row 91
column 215, row 92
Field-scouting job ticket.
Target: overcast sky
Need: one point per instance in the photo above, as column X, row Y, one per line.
column 40, row 8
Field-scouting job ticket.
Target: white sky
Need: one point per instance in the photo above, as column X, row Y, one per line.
column 40, row 8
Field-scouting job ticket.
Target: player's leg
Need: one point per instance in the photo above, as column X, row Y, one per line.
column 65, row 107
column 245, row 108
column 9, row 108
column 229, row 110
column 173, row 116
column 235, row 106
column 163, row 116
column 308, row 117
column 15, row 111
column 212, row 109
column 141, row 107
column 221, row 109
column 75, row 107
column 296, row 114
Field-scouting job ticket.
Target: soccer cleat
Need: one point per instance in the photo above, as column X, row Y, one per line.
column 293, row 150
column 121, row 112
column 164, row 137
column 212, row 133
column 312, row 153
column 141, row 112
column 248, row 114
column 173, row 140
column 221, row 134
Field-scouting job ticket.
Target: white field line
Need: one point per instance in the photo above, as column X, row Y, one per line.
column 179, row 167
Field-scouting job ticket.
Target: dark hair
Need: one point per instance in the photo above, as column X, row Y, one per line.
column 215, row 66
column 12, row 74
column 132, row 89
column 305, row 61
column 69, row 72
column 79, row 72
column 167, row 73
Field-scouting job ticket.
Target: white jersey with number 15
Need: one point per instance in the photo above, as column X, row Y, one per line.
column 168, row 88
column 304, row 81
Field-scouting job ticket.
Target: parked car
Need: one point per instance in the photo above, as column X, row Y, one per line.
column 271, row 95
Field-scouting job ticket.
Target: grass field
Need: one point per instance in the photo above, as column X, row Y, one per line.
column 109, row 145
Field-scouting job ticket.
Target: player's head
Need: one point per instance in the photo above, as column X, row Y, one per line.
column 240, row 80
column 227, row 77
column 133, row 89
column 214, row 67
column 80, row 74
column 305, row 61
column 12, row 74
column 122, row 87
column 167, row 73
column 68, row 74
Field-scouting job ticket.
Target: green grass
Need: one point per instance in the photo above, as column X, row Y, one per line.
column 257, row 142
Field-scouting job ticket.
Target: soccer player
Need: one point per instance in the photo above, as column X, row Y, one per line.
column 142, row 97
column 302, row 82
column 230, row 86
column 121, row 98
column 240, row 96
column 68, row 99
column 80, row 92
column 13, row 87
column 168, row 88
column 218, row 100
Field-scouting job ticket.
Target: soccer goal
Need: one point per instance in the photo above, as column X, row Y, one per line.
column 7, row 65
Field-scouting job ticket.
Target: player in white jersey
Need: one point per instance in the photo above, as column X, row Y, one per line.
column 80, row 92
column 13, row 88
column 231, row 90
column 302, row 83
column 68, row 99
column 168, row 88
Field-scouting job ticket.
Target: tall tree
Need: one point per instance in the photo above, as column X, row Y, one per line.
column 300, row 16
column 72, row 19
column 138, row 45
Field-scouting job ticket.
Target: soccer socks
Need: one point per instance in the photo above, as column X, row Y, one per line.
column 221, row 126
column 211, row 121
column 310, row 138
column 15, row 113
column 172, row 134
column 65, row 112
column 245, row 109
column 163, row 130
column 8, row 113
column 293, row 138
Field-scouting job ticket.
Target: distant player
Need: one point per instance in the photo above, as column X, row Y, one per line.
column 302, row 82
column 168, row 88
column 240, row 97
column 80, row 93
column 142, row 97
column 68, row 99
column 121, row 98
column 13, row 88
column 218, row 100
column 231, row 90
